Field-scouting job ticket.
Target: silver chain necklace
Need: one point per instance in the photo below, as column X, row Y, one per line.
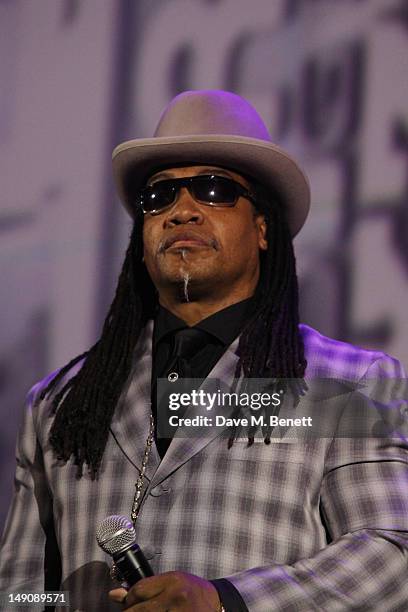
column 140, row 481
column 138, row 486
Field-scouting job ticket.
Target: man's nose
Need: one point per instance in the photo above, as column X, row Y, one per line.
column 185, row 210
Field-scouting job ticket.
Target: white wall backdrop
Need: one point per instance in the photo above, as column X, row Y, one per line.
column 77, row 77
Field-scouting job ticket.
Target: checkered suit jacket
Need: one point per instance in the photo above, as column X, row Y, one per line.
column 319, row 524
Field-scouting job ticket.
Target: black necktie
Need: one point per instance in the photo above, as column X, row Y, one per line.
column 187, row 343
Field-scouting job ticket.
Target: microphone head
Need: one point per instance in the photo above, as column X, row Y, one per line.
column 115, row 533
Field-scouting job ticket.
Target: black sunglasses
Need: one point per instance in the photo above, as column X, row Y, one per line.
column 208, row 189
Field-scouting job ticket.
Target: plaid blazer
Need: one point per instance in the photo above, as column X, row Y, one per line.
column 320, row 524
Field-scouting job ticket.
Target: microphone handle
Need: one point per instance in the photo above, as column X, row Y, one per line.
column 132, row 565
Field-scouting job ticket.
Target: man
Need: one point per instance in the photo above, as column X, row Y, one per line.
column 228, row 522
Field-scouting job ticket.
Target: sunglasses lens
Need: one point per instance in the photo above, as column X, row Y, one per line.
column 214, row 190
column 157, row 196
column 207, row 189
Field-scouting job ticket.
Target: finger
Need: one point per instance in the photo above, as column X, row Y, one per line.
column 118, row 595
column 146, row 588
column 161, row 603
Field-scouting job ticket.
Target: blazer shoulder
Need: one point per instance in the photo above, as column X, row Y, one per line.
column 38, row 408
column 35, row 392
column 327, row 357
column 38, row 405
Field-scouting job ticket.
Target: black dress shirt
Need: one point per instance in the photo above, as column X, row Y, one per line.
column 222, row 328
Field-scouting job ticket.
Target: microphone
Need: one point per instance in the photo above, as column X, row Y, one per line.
column 116, row 536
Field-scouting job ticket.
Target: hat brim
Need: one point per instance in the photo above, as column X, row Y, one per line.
column 135, row 160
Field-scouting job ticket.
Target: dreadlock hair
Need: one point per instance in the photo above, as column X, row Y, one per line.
column 84, row 406
column 270, row 344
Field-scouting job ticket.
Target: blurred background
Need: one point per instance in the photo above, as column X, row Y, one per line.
column 79, row 76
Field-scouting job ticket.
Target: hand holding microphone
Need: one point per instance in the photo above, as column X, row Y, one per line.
column 116, row 536
column 185, row 592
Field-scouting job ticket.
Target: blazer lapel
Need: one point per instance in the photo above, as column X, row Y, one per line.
column 183, row 447
column 130, row 426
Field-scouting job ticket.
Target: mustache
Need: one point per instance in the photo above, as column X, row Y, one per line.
column 167, row 242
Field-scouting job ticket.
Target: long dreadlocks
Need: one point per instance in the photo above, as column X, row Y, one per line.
column 270, row 345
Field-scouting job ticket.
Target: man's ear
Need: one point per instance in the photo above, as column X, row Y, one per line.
column 262, row 227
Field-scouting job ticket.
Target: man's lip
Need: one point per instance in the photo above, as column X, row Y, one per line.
column 187, row 239
column 187, row 243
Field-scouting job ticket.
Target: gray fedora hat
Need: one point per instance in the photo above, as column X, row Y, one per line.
column 217, row 128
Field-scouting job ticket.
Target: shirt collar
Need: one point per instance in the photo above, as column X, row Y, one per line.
column 225, row 325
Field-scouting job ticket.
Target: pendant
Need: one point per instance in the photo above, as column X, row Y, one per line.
column 114, row 573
